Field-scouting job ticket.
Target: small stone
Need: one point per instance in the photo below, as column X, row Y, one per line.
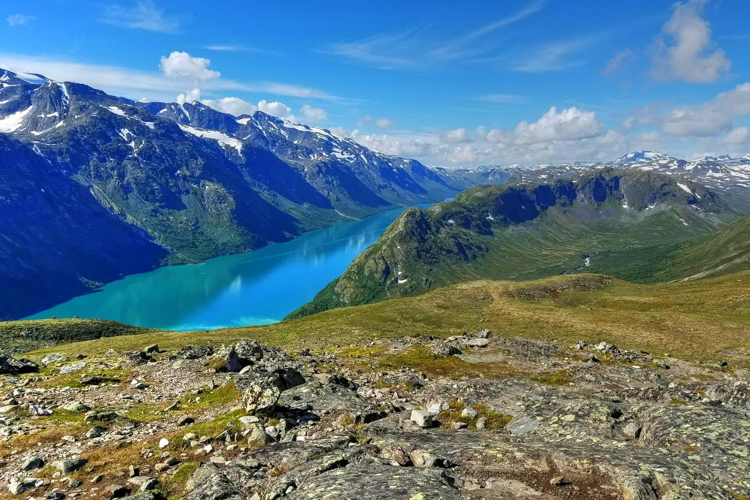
column 74, row 483
column 469, row 412
column 459, row 425
column 477, row 343
column 247, row 421
column 171, row 461
column 97, row 478
column 191, row 436
column 481, row 423
column 96, row 431
column 133, row 471
column 484, row 334
column 163, row 443
column 558, row 481
column 76, row 406
column 421, row 418
column 185, row 420
column 55, row 495
column 138, row 385
column 632, row 430
column 161, row 467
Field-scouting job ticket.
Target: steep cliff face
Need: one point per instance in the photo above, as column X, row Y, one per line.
column 55, row 235
column 525, row 231
column 188, row 181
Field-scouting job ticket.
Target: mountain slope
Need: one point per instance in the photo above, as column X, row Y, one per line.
column 186, row 181
column 524, row 232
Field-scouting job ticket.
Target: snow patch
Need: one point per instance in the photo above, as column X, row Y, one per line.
column 116, row 110
column 215, row 135
column 13, row 122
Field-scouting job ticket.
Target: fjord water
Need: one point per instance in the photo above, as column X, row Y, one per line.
column 253, row 288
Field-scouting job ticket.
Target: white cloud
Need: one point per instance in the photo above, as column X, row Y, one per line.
column 232, row 105
column 555, row 56
column 458, row 136
column 619, row 62
column 19, row 19
column 384, row 123
column 189, row 96
column 183, row 66
column 277, row 109
column 313, row 114
column 136, row 84
column 568, row 124
column 689, row 54
column 711, row 118
column 738, row 136
column 143, row 15
column 419, row 48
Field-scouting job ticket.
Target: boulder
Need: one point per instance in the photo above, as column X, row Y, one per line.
column 54, row 358
column 12, row 366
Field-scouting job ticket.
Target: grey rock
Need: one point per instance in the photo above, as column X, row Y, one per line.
column 421, row 418
column 96, row 431
column 185, row 420
column 201, row 475
column 195, row 352
column 76, row 406
column 261, row 394
column 32, row 463
column 12, row 366
column 445, row 350
column 477, row 342
column 524, row 425
column 74, row 367
column 54, row 358
column 469, row 412
column 71, row 465
column 632, row 430
column 484, row 334
column 118, row 491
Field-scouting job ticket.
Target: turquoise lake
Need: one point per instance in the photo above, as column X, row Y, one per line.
column 255, row 288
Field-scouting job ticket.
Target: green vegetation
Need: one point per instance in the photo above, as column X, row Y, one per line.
column 697, row 319
column 523, row 232
column 29, row 335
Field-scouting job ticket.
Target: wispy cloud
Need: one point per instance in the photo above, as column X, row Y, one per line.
column 236, row 48
column 563, row 54
column 137, row 84
column 19, row 19
column 501, row 98
column 418, row 47
column 143, row 15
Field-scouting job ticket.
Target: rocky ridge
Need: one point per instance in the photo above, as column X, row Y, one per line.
column 493, row 417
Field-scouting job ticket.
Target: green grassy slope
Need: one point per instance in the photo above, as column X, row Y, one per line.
column 526, row 232
column 20, row 336
column 704, row 319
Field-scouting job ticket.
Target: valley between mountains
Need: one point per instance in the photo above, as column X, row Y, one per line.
column 573, row 331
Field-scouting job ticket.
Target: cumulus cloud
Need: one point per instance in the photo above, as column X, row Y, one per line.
column 277, row 109
column 566, row 125
column 183, row 66
column 686, row 51
column 232, row 105
column 19, row 19
column 313, row 114
column 711, row 118
column 458, row 136
column 143, row 15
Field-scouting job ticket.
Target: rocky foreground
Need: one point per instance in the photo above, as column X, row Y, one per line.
column 492, row 418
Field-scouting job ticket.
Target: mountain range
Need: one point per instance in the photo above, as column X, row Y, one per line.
column 93, row 186
column 726, row 175
column 631, row 224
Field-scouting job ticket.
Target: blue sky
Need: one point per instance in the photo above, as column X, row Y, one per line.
column 450, row 83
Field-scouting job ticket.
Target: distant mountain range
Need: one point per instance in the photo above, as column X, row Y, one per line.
column 632, row 224
column 94, row 186
column 728, row 176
